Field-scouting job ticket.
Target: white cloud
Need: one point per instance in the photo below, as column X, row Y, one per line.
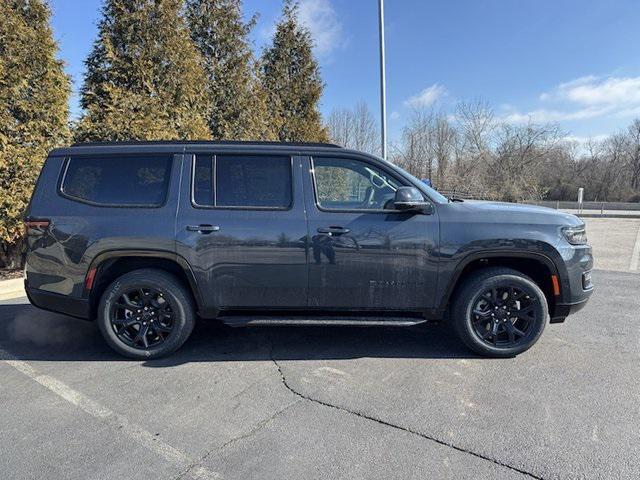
column 585, row 140
column 591, row 90
column 543, row 115
column 321, row 19
column 585, row 98
column 395, row 115
column 426, row 97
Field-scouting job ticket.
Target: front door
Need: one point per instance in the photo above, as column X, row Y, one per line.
column 364, row 254
column 242, row 228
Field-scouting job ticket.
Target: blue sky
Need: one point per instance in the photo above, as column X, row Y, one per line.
column 575, row 62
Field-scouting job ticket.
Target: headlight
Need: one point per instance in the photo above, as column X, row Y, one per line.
column 575, row 235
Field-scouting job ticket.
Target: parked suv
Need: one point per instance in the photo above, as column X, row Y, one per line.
column 144, row 237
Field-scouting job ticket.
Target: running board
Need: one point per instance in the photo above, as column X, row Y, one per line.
column 245, row 321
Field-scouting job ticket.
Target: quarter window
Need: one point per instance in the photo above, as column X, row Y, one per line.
column 343, row 184
column 118, row 181
column 243, row 181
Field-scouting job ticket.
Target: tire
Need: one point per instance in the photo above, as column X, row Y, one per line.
column 169, row 307
column 480, row 317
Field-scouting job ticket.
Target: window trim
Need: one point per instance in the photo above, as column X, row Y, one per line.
column 73, row 198
column 214, row 159
column 404, row 182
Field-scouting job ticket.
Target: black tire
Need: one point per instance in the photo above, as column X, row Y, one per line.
column 505, row 293
column 171, row 309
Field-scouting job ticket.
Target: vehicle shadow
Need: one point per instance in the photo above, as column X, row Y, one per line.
column 32, row 334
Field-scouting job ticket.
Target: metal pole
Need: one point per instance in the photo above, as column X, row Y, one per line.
column 383, row 84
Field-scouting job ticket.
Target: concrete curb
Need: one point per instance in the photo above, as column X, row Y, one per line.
column 13, row 288
column 606, row 215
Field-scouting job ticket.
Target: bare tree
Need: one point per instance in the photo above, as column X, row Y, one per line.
column 355, row 128
column 471, row 151
column 634, row 154
column 520, row 153
column 415, row 152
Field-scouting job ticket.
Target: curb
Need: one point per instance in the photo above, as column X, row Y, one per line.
column 10, row 289
column 606, row 215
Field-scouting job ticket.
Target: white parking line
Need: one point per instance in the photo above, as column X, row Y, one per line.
column 120, row 423
column 635, row 256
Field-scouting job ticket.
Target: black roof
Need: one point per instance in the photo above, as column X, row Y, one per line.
column 204, row 142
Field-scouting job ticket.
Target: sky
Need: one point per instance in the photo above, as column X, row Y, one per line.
column 574, row 62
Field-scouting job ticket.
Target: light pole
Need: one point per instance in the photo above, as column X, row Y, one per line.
column 383, row 84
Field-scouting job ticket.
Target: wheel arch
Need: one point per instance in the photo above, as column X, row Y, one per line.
column 538, row 266
column 112, row 264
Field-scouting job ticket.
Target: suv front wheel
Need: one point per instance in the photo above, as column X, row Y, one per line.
column 499, row 312
column 146, row 314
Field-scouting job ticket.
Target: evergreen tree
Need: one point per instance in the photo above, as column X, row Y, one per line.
column 34, row 94
column 292, row 80
column 144, row 76
column 238, row 108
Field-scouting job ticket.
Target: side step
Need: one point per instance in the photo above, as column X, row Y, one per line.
column 246, row 321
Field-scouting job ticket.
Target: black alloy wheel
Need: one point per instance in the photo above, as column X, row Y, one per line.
column 499, row 312
column 146, row 313
column 503, row 316
column 142, row 318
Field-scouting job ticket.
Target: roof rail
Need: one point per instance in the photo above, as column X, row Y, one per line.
column 204, row 142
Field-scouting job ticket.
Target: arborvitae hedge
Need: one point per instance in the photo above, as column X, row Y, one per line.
column 34, row 93
column 237, row 108
column 292, row 80
column 145, row 78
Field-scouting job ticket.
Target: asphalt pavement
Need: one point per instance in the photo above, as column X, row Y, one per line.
column 317, row 402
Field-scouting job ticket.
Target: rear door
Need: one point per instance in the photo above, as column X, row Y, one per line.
column 242, row 227
column 364, row 254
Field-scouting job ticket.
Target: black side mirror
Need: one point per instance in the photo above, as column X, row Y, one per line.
column 411, row 199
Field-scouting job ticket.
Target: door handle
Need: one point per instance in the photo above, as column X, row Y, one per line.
column 203, row 228
column 333, row 230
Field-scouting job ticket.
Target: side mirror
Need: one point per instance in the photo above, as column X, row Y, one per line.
column 411, row 199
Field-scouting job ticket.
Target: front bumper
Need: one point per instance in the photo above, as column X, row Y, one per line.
column 563, row 310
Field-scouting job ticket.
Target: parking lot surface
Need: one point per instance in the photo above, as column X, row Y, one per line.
column 302, row 402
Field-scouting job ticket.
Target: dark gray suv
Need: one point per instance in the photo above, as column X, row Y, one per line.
column 144, row 237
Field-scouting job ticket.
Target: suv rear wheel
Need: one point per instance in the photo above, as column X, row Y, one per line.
column 146, row 314
column 499, row 312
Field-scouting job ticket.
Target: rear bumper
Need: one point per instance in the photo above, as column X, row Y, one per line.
column 53, row 302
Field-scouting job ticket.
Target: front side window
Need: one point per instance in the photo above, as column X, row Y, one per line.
column 136, row 180
column 243, row 181
column 344, row 184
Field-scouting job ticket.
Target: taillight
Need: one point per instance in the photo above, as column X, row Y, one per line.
column 40, row 223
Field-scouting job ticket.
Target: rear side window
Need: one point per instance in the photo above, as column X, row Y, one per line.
column 136, row 180
column 243, row 181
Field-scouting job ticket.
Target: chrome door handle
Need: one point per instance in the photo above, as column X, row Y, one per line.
column 333, row 230
column 203, row 228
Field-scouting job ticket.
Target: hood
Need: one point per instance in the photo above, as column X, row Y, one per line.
column 503, row 211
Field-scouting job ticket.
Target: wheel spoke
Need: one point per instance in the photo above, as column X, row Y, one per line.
column 510, row 331
column 159, row 328
column 125, row 322
column 525, row 313
column 142, row 336
column 494, row 296
column 127, row 303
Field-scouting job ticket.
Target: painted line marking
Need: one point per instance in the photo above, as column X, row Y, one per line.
column 635, row 256
column 121, row 424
